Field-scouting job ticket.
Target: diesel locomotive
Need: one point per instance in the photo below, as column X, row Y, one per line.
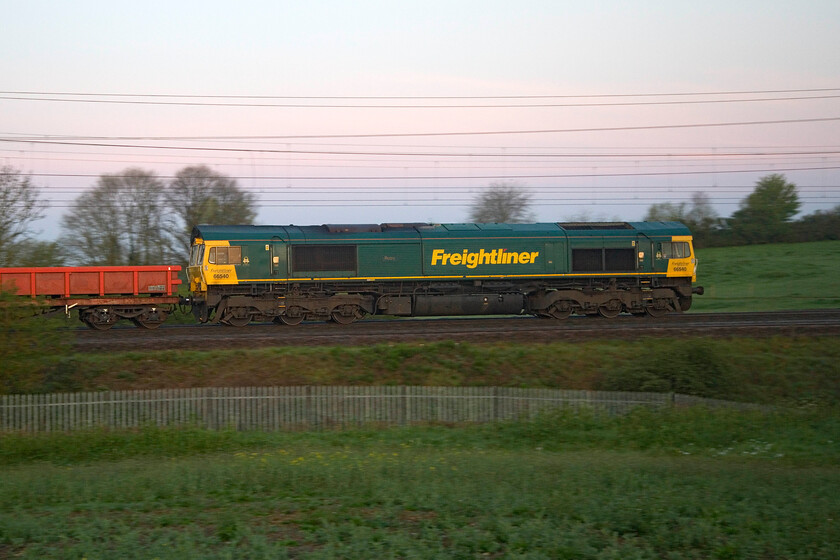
column 343, row 272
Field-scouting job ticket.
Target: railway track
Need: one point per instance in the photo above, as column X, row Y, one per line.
column 472, row 329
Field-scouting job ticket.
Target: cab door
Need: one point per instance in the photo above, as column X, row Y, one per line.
column 278, row 257
column 646, row 249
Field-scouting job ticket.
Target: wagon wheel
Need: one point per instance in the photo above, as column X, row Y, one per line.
column 150, row 319
column 560, row 309
column 346, row 314
column 100, row 320
column 100, row 326
column 147, row 324
column 611, row 309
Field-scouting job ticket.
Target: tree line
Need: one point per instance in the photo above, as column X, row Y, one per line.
column 129, row 218
column 764, row 216
column 136, row 218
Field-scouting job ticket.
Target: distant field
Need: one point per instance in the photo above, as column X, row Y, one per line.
column 769, row 277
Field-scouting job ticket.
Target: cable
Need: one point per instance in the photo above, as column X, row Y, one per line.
column 417, row 134
column 383, row 97
column 438, row 106
column 456, row 177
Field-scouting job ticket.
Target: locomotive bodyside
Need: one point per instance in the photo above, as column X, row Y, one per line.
column 288, row 273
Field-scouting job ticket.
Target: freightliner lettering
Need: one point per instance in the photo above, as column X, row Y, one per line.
column 473, row 259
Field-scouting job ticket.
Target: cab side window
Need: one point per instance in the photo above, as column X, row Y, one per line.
column 194, row 255
column 675, row 250
column 225, row 255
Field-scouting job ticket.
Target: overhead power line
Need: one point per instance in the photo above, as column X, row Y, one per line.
column 441, row 97
column 417, row 134
column 486, row 177
column 311, row 105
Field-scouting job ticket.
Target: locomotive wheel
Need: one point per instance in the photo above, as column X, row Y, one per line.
column 237, row 321
column 611, row 309
column 346, row 314
column 560, row 309
column 289, row 320
column 656, row 312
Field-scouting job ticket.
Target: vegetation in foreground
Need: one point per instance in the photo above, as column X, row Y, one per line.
column 779, row 370
column 671, row 484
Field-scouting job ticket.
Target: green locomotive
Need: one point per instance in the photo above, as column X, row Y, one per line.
column 240, row 274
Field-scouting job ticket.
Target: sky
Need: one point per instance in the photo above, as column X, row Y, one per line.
column 386, row 111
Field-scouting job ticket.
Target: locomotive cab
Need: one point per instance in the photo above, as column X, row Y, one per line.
column 677, row 257
column 194, row 275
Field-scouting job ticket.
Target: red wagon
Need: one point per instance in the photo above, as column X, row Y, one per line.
column 103, row 295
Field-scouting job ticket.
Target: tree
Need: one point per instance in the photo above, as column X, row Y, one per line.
column 122, row 221
column 819, row 226
column 764, row 215
column 502, row 202
column 20, row 205
column 199, row 195
column 666, row 212
column 33, row 252
column 700, row 217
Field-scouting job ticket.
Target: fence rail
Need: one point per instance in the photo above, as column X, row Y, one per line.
column 311, row 407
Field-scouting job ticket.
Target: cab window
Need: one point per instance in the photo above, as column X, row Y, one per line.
column 225, row 255
column 675, row 250
column 196, row 253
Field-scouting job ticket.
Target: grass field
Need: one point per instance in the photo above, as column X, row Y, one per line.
column 675, row 484
column 769, row 277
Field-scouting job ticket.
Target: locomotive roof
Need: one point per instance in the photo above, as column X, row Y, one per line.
column 265, row 232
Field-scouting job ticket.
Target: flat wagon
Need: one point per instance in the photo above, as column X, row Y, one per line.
column 102, row 295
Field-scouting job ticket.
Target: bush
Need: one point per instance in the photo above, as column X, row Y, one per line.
column 691, row 367
column 28, row 345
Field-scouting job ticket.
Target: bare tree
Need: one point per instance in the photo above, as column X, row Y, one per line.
column 122, row 221
column 502, row 202
column 20, row 205
column 199, row 195
column 666, row 212
column 702, row 216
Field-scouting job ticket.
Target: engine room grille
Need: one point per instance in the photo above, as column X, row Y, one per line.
column 603, row 260
column 322, row 258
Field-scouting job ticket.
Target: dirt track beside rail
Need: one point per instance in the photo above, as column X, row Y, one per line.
column 508, row 329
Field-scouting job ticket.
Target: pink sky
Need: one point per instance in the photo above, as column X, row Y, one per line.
column 484, row 55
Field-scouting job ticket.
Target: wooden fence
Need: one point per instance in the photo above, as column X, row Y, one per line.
column 279, row 408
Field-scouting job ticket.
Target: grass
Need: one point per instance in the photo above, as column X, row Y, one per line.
column 648, row 485
column 769, row 277
column 782, row 370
